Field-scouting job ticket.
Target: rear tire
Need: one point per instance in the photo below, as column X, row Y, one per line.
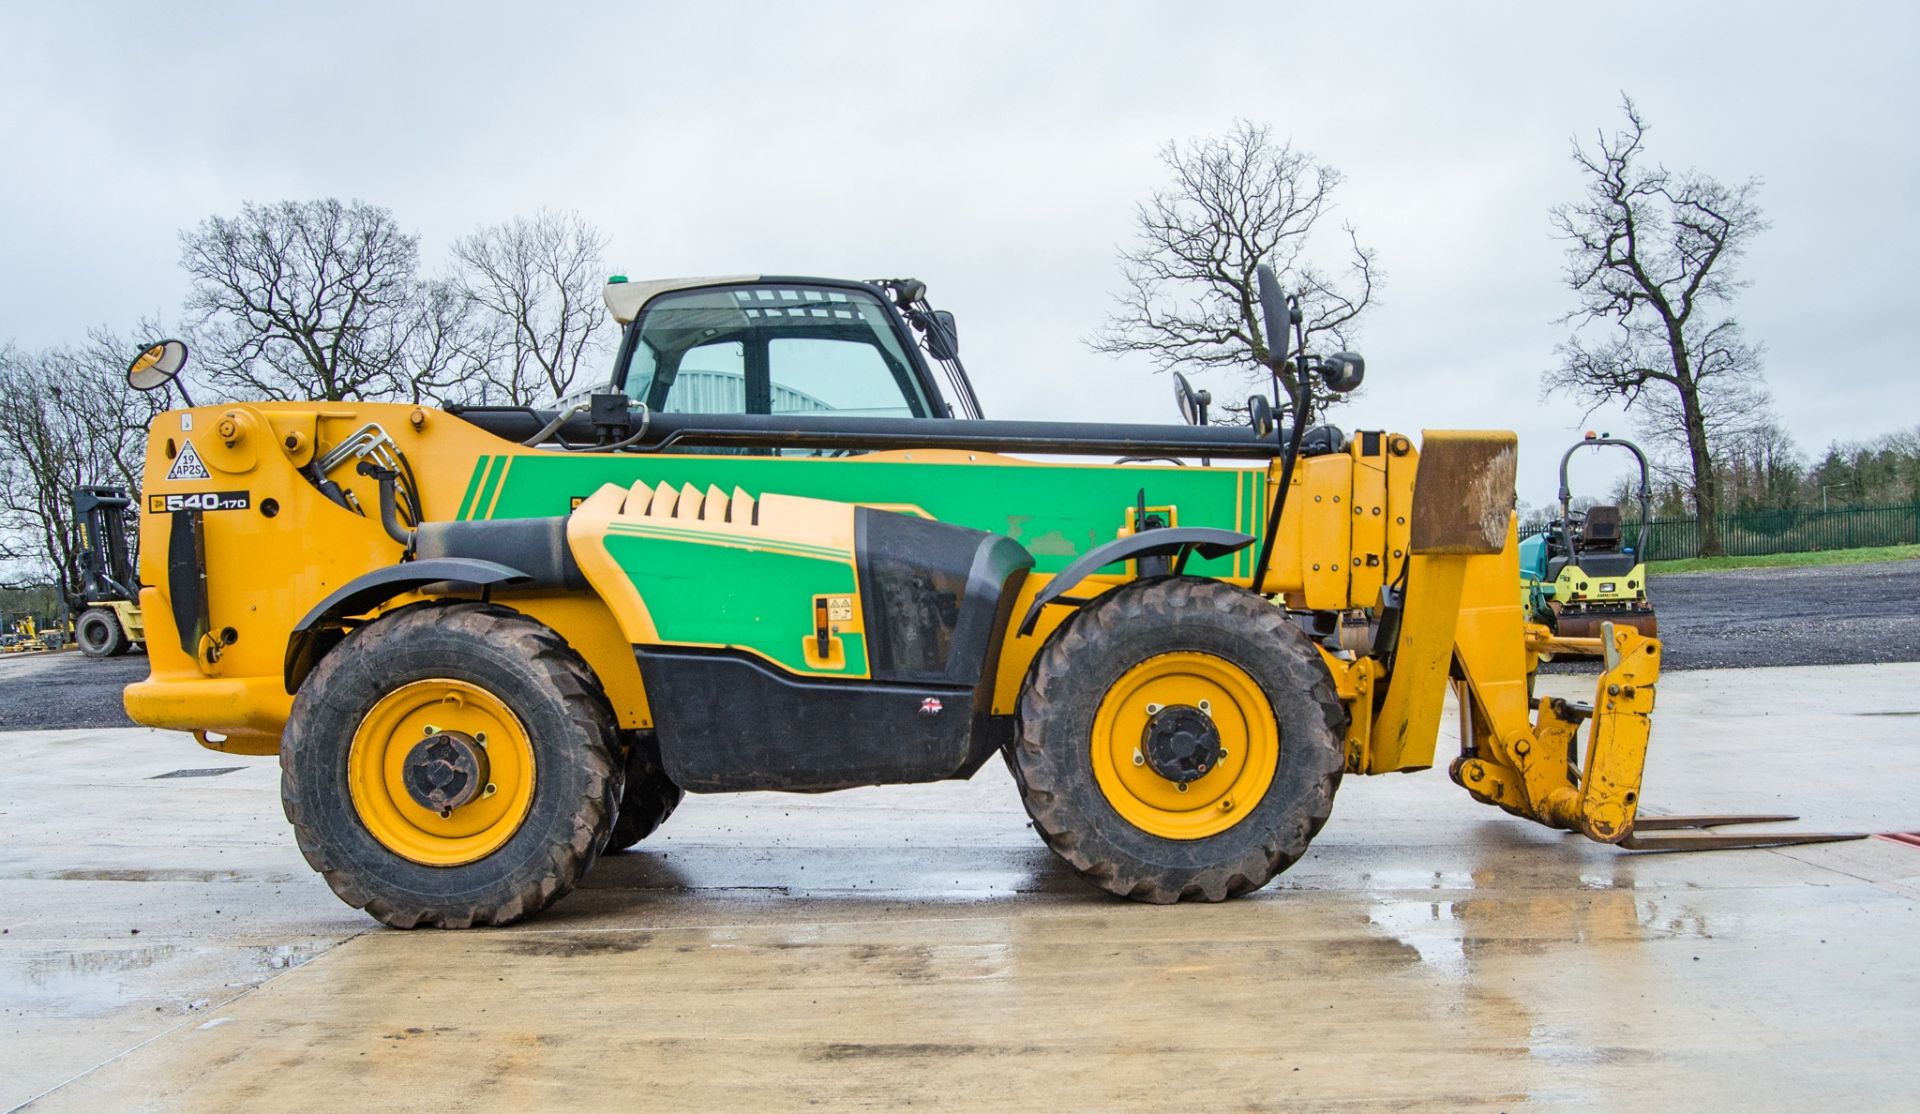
column 649, row 797
column 1269, row 696
column 554, row 777
column 99, row 635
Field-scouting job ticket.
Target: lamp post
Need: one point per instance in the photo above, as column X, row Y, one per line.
column 1824, row 488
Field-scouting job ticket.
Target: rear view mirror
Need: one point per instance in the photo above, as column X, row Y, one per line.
column 157, row 365
column 1193, row 404
column 1260, row 415
column 1277, row 315
column 943, row 340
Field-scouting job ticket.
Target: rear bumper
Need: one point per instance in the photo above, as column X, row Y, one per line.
column 237, row 715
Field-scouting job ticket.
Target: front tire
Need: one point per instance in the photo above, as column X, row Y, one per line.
column 451, row 764
column 99, row 634
column 1179, row 667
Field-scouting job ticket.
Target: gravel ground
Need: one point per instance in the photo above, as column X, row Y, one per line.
column 1836, row 615
column 66, row 689
column 1829, row 615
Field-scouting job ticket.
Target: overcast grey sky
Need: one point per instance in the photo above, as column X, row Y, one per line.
column 996, row 151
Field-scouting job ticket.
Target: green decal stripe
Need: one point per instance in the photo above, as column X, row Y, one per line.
column 470, row 502
column 737, row 541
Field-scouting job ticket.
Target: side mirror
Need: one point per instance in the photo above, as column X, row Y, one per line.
column 1343, row 371
column 1193, row 404
column 1260, row 415
column 1277, row 315
column 157, row 365
column 943, row 340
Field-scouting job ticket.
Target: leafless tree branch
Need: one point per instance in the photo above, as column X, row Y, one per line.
column 1651, row 257
column 1189, row 298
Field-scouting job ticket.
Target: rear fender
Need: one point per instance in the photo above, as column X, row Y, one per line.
column 321, row 628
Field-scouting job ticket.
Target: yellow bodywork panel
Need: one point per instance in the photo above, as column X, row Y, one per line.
column 228, row 688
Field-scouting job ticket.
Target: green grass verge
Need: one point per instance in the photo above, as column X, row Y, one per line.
column 1789, row 560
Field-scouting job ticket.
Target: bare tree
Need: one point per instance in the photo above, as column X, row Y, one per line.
column 67, row 418
column 310, row 300
column 447, row 347
column 1650, row 258
column 534, row 284
column 1191, row 300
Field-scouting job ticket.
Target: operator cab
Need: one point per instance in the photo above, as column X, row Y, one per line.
column 785, row 346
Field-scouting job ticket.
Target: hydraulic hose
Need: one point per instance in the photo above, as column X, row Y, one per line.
column 389, row 502
column 553, row 426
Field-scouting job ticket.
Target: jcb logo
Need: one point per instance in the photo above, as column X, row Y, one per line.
column 200, row 501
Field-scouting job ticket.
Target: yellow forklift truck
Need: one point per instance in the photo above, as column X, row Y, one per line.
column 777, row 551
column 109, row 622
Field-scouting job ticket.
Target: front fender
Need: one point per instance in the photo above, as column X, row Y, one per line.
column 1174, row 541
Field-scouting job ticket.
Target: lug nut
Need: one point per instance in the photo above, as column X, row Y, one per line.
column 1139, row 759
column 1183, row 787
column 429, row 729
column 1153, row 709
column 1206, row 708
column 1226, row 804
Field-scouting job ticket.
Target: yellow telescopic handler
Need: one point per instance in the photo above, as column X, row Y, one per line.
column 780, row 548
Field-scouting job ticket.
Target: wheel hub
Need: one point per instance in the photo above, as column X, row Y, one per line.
column 1180, row 743
column 445, row 770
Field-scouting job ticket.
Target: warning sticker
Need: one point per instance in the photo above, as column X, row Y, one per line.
column 187, row 465
column 200, row 501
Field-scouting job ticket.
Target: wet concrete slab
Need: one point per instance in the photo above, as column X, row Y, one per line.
column 917, row 946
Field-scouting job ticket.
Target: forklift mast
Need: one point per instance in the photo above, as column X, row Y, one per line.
column 105, row 556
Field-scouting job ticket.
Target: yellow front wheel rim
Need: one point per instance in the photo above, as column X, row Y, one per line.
column 1226, row 793
column 376, row 765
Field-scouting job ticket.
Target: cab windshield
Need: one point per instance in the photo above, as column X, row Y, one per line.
column 777, row 348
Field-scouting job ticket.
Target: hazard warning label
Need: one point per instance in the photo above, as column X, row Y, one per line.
column 187, row 465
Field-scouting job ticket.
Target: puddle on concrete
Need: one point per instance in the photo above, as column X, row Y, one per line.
column 1412, row 879
column 1430, row 928
column 158, row 875
column 1565, row 1047
column 83, row 982
column 1671, row 920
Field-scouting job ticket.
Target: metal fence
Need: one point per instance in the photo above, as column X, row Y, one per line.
column 1759, row 532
